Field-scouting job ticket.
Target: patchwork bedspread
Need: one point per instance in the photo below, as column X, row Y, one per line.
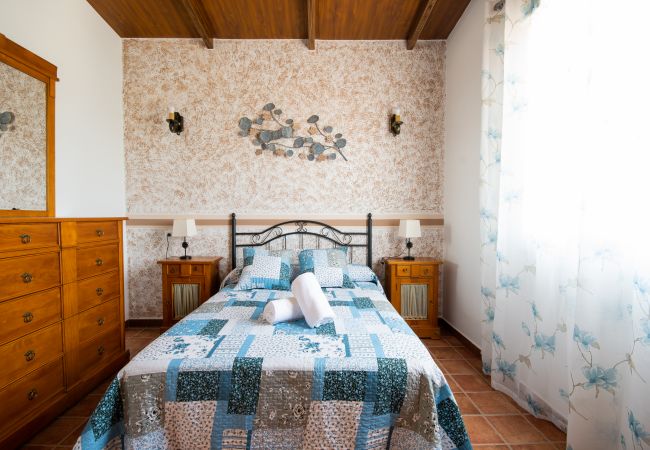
column 223, row 378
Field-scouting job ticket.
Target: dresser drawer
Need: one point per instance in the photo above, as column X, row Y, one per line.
column 95, row 290
column 96, row 231
column 97, row 352
column 22, row 316
column 26, row 395
column 95, row 260
column 23, row 236
column 98, row 319
column 422, row 271
column 27, row 274
column 403, row 270
column 30, row 352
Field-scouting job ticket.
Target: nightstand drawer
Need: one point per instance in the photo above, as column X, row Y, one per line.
column 197, row 269
column 403, row 270
column 173, row 269
column 422, row 271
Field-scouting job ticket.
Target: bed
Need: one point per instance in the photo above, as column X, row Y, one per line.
column 224, row 378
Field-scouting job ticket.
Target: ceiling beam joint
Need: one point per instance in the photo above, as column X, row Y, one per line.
column 200, row 21
column 421, row 22
column 311, row 24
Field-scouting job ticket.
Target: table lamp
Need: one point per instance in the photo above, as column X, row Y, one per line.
column 183, row 228
column 409, row 229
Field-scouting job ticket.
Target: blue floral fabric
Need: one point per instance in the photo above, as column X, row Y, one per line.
column 224, row 378
column 264, row 269
column 565, row 271
column 330, row 266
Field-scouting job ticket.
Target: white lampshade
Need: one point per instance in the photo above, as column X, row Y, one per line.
column 184, row 227
column 409, row 229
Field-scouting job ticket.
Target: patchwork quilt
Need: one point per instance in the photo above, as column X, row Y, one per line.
column 223, row 378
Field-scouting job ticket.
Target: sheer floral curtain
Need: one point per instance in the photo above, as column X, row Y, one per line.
column 565, row 222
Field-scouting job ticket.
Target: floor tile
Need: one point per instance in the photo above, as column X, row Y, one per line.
column 84, row 408
column 440, row 353
column 549, row 430
column 493, row 403
column 149, row 333
column 453, row 341
column 57, row 431
column 457, row 367
column 465, row 404
column 472, row 383
column 466, row 353
column 491, row 447
column 480, row 431
column 533, row 447
column 516, row 429
column 74, row 435
column 452, row 384
column 429, row 343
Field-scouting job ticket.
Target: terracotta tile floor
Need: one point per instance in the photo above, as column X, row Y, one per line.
column 493, row 420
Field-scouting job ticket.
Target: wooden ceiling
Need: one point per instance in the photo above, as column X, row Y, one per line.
column 282, row 19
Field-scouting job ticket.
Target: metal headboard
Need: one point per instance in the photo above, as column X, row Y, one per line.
column 274, row 232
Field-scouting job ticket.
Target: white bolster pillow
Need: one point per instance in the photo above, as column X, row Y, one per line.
column 282, row 310
column 312, row 301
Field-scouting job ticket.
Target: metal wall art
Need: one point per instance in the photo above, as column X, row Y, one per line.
column 278, row 136
column 6, row 119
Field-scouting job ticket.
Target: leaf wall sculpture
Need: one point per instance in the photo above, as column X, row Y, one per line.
column 271, row 133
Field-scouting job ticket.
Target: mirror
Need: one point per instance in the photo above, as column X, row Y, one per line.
column 26, row 132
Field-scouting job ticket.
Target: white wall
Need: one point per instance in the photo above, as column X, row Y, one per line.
column 89, row 127
column 462, row 302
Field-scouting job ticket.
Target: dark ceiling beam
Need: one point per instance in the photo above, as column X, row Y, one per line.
column 311, row 24
column 200, row 21
column 422, row 21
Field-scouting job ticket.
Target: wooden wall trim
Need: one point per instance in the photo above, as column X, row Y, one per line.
column 422, row 20
column 387, row 220
column 200, row 21
column 311, row 24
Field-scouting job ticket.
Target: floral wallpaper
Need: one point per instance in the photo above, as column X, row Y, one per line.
column 212, row 169
column 23, row 141
column 352, row 85
column 146, row 245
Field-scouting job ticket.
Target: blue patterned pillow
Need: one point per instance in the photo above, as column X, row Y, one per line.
column 265, row 270
column 329, row 265
column 359, row 272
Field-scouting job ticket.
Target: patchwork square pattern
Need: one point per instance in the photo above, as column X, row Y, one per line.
column 347, row 385
column 266, row 272
column 225, row 378
column 245, row 388
column 330, row 266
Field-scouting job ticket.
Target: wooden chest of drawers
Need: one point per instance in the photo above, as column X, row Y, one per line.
column 61, row 317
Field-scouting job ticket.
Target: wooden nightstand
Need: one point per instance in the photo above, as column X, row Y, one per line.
column 412, row 288
column 187, row 283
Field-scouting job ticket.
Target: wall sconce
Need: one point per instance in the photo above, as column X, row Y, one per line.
column 6, row 119
column 175, row 121
column 395, row 121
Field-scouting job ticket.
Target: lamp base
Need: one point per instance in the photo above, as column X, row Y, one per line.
column 409, row 258
column 185, row 257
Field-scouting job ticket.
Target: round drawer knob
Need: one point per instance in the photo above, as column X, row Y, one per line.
column 31, row 395
column 99, row 292
column 27, row 277
column 30, row 355
column 99, row 262
column 100, row 321
column 25, row 238
column 99, row 233
column 28, row 317
column 100, row 350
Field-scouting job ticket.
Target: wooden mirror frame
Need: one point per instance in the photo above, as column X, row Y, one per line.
column 33, row 65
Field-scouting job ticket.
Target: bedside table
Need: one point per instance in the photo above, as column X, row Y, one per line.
column 187, row 283
column 412, row 288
